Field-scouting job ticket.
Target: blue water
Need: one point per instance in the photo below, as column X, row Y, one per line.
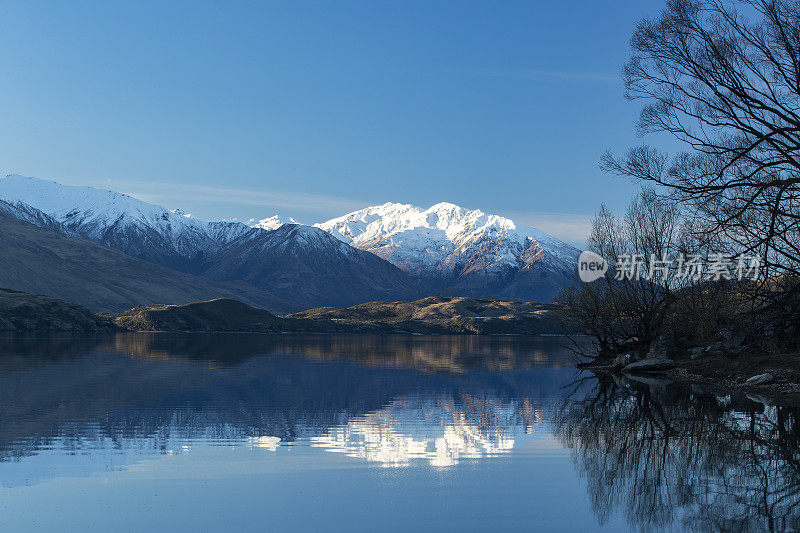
column 356, row 433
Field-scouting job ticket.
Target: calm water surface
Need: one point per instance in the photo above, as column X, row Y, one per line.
column 255, row 432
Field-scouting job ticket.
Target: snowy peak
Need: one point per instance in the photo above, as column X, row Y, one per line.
column 64, row 201
column 447, row 238
column 303, row 264
column 170, row 237
column 373, row 221
column 393, row 218
column 270, row 223
column 91, row 211
column 181, row 213
column 444, row 246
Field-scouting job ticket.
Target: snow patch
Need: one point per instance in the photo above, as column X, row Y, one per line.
column 270, row 223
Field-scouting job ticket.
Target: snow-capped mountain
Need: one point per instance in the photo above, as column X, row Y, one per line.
column 38, row 256
column 467, row 249
column 387, row 252
column 275, row 260
column 30, row 214
column 270, row 223
column 137, row 228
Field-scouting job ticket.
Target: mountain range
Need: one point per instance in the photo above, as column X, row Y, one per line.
column 447, row 246
column 42, row 261
column 390, row 252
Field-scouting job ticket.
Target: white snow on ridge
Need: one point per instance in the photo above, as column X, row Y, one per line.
column 112, row 218
column 447, row 237
column 181, row 213
column 444, row 238
column 92, row 212
column 92, row 207
column 270, row 223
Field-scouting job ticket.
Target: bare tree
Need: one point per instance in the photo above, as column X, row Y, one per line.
column 627, row 309
column 723, row 78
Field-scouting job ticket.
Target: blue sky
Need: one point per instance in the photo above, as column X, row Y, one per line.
column 313, row 109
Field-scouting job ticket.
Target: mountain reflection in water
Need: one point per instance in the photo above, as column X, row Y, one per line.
column 437, row 430
column 641, row 454
column 388, row 400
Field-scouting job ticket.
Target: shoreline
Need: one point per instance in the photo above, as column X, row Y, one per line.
column 724, row 374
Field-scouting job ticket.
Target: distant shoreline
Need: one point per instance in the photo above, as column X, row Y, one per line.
column 436, row 315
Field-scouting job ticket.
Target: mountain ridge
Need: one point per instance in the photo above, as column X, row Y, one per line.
column 38, row 260
column 449, row 246
column 274, row 260
column 388, row 252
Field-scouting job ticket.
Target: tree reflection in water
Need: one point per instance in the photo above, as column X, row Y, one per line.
column 669, row 456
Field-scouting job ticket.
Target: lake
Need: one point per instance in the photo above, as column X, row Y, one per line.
column 237, row 432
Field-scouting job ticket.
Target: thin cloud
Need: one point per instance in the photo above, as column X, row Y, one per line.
column 169, row 195
column 570, row 228
column 541, row 74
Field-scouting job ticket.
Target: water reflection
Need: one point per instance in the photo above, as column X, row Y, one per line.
column 391, row 401
column 652, row 453
column 669, row 456
column 446, row 353
column 436, row 430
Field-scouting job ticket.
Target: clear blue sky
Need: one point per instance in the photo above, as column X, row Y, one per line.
column 312, row 109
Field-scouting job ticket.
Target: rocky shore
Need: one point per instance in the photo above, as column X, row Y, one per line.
column 728, row 365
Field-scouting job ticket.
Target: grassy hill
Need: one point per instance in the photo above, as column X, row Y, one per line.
column 434, row 315
column 222, row 314
column 27, row 312
column 430, row 315
column 437, row 314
